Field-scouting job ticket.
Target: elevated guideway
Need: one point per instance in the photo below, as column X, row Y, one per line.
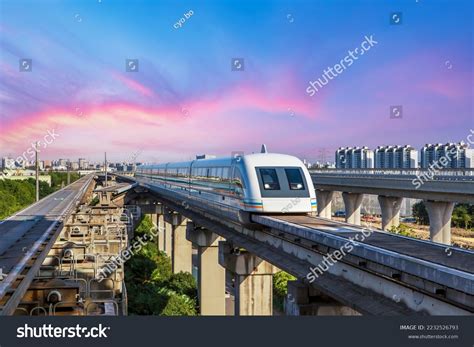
column 27, row 236
column 427, row 270
column 383, row 273
column 446, row 185
column 440, row 191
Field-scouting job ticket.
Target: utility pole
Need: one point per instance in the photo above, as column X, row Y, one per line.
column 68, row 172
column 37, row 171
column 322, row 155
column 105, row 168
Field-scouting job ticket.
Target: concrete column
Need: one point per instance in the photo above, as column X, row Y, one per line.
column 105, row 198
column 440, row 220
column 167, row 238
column 390, row 207
column 160, row 233
column 181, row 248
column 324, row 199
column 303, row 300
column 253, row 281
column 352, row 202
column 211, row 276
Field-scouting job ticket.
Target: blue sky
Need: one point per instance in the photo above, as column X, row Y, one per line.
column 186, row 99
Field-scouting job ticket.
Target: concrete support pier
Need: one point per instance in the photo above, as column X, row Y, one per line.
column 390, row 207
column 160, row 236
column 211, row 275
column 253, row 280
column 440, row 220
column 303, row 300
column 167, row 238
column 156, row 213
column 324, row 199
column 352, row 202
column 181, row 248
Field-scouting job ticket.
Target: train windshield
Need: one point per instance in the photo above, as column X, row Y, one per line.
column 269, row 179
column 295, row 179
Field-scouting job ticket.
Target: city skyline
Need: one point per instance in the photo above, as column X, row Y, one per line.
column 187, row 98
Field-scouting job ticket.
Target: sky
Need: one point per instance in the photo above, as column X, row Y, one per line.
column 186, row 97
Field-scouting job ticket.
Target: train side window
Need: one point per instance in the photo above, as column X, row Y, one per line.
column 219, row 173
column 295, row 180
column 238, row 180
column 225, row 174
column 269, row 179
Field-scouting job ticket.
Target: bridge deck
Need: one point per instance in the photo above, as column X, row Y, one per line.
column 451, row 257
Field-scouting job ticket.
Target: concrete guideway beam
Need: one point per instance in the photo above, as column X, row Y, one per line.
column 304, row 300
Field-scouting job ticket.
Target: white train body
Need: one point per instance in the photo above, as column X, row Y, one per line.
column 257, row 183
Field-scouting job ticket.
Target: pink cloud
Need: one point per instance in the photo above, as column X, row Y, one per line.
column 133, row 85
column 228, row 118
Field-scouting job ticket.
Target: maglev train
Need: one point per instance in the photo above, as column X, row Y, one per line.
column 255, row 183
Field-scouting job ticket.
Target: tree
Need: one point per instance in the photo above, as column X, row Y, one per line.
column 182, row 283
column 163, row 269
column 402, row 229
column 144, row 227
column 462, row 218
column 420, row 213
column 152, row 287
column 179, row 305
column 280, row 288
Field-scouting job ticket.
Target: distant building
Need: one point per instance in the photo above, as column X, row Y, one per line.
column 396, row 157
column 449, row 155
column 74, row 166
column 24, row 174
column 354, row 158
column 83, row 164
column 60, row 164
column 120, row 167
column 318, row 165
column 8, row 163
